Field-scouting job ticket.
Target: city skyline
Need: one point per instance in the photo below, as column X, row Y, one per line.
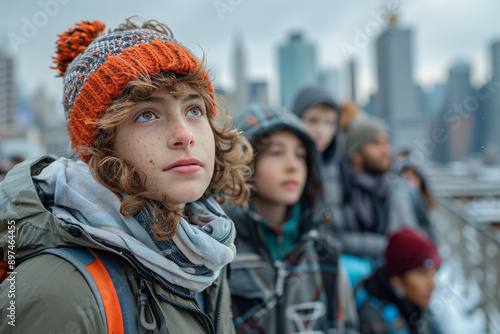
column 338, row 30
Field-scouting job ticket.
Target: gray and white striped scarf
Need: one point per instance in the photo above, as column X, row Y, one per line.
column 192, row 259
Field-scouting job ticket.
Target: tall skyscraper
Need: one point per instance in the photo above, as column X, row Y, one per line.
column 43, row 107
column 238, row 98
column 435, row 100
column 258, row 92
column 239, row 71
column 329, row 80
column 490, row 100
column 458, row 117
column 495, row 61
column 7, row 93
column 297, row 67
column 481, row 127
column 399, row 102
column 352, row 79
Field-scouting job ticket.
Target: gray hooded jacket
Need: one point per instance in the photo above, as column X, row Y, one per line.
column 331, row 159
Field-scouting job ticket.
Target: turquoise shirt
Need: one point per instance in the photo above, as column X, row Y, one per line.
column 279, row 240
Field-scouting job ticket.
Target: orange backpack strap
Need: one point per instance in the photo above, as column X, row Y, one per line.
column 102, row 282
column 4, row 271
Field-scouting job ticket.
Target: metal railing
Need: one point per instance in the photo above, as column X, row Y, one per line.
column 474, row 252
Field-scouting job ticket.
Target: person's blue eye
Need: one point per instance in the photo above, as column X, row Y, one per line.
column 195, row 112
column 145, row 116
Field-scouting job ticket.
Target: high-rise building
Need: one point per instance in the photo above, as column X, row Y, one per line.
column 7, row 93
column 481, row 127
column 352, row 70
column 458, row 114
column 399, row 102
column 237, row 98
column 297, row 67
column 329, row 80
column 495, row 61
column 50, row 123
column 489, row 97
column 240, row 97
column 43, row 107
column 258, row 92
column 434, row 101
column 371, row 106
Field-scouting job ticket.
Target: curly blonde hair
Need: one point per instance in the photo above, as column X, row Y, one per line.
column 233, row 153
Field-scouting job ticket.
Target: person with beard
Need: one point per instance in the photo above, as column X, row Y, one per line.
column 396, row 297
column 378, row 200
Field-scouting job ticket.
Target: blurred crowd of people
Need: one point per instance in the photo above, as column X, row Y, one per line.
column 329, row 167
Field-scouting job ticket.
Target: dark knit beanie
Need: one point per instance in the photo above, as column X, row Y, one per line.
column 309, row 96
column 362, row 129
column 409, row 249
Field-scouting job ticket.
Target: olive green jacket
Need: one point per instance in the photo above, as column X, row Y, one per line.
column 50, row 296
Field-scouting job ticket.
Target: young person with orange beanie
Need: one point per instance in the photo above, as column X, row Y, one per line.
column 154, row 150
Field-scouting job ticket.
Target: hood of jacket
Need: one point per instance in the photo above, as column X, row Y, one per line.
column 65, row 206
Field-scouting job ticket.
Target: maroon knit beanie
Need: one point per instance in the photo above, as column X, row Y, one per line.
column 409, row 249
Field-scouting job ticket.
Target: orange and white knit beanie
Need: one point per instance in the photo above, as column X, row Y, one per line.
column 96, row 67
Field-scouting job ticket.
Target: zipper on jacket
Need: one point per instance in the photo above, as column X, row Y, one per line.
column 172, row 289
column 188, row 308
column 219, row 302
column 145, row 308
column 142, row 271
column 281, row 274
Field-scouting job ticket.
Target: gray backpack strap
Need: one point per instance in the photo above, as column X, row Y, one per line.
column 80, row 258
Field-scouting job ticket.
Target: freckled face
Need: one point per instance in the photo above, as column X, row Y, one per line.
column 171, row 142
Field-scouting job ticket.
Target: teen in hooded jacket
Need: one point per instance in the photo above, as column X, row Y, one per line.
column 153, row 149
column 285, row 278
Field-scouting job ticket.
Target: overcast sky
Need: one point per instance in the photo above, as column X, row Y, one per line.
column 444, row 31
